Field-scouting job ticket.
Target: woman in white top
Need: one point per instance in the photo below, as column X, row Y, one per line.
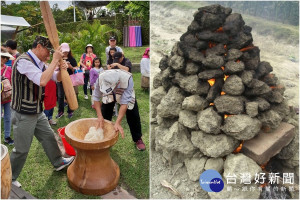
column 145, row 69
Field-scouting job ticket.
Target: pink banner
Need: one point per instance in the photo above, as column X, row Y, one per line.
column 132, row 42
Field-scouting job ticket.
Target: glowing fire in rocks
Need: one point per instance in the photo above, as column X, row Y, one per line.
column 277, row 87
column 263, row 185
column 225, row 116
column 220, row 30
column 223, row 68
column 263, row 166
column 225, row 77
column 223, row 93
column 247, row 48
column 211, row 81
column 211, row 104
column 239, row 148
column 211, row 44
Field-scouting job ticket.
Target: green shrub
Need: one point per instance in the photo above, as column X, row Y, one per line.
column 26, row 39
column 95, row 34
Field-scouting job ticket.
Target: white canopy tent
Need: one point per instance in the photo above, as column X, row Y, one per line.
column 13, row 21
column 10, row 25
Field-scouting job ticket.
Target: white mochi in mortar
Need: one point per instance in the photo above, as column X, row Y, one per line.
column 94, row 135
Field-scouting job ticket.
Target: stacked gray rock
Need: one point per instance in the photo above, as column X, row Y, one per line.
column 216, row 45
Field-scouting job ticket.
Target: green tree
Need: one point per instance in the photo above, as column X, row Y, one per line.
column 95, row 34
column 133, row 9
column 139, row 9
column 25, row 40
column 30, row 10
column 70, row 15
column 67, row 15
column 57, row 13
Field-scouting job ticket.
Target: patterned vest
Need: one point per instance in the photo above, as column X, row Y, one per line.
column 27, row 97
column 117, row 93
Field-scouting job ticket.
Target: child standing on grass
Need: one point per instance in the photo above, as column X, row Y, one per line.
column 50, row 101
column 145, row 69
column 5, row 105
column 86, row 62
column 50, row 98
column 94, row 73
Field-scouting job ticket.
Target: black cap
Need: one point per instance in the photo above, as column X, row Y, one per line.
column 117, row 57
column 112, row 38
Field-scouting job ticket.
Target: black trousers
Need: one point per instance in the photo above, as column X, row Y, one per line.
column 61, row 98
column 133, row 118
column 86, row 80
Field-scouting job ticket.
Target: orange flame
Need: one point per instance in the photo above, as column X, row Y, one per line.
column 225, row 116
column 211, row 104
column 220, row 30
column 263, row 166
column 225, row 77
column 239, row 148
column 211, row 44
column 247, row 48
column 223, row 68
column 263, row 185
column 276, row 87
column 223, row 93
column 211, row 81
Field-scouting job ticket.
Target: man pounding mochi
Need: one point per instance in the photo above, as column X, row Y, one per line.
column 116, row 85
column 29, row 77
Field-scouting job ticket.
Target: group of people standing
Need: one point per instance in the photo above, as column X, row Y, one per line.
column 37, row 85
column 9, row 53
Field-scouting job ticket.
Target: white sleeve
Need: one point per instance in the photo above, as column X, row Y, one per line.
column 119, row 49
column 97, row 95
column 106, row 53
column 32, row 72
column 127, row 95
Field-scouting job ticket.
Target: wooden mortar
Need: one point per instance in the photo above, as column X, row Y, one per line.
column 5, row 173
column 93, row 171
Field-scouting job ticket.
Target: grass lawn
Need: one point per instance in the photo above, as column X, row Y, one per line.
column 39, row 179
column 134, row 54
